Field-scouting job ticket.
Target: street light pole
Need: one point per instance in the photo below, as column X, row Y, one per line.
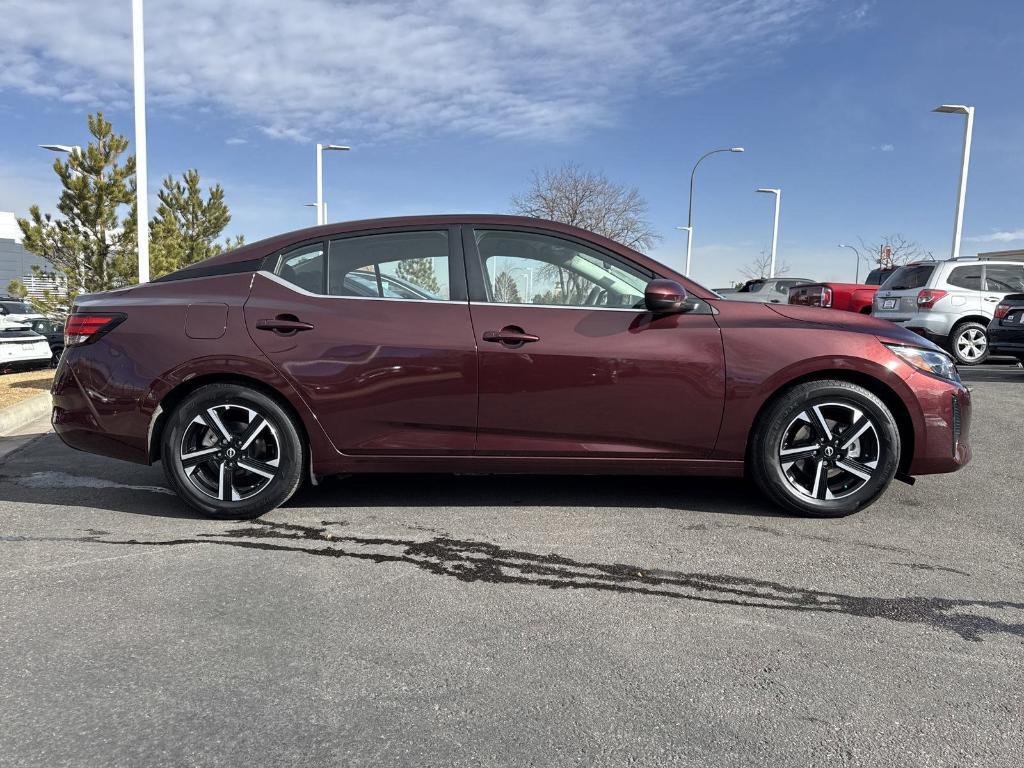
column 141, row 181
column 321, row 207
column 965, row 161
column 843, row 245
column 689, row 215
column 775, row 226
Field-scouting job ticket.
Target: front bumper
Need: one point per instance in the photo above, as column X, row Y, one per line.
column 942, row 441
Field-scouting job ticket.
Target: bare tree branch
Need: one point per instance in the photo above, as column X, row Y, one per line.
column 590, row 201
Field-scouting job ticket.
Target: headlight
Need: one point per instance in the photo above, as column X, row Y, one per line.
column 936, row 363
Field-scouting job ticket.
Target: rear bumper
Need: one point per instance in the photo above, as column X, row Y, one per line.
column 1006, row 341
column 91, row 413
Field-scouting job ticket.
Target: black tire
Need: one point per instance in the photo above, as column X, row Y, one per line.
column 793, row 423
column 964, row 341
column 260, row 471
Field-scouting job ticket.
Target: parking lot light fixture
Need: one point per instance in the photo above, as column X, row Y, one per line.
column 965, row 161
column 844, row 245
column 775, row 225
column 689, row 215
column 321, row 208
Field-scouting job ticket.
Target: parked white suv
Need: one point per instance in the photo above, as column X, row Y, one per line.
column 949, row 302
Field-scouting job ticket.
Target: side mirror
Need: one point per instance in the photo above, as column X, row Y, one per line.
column 665, row 297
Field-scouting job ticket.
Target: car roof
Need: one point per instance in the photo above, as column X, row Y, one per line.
column 270, row 245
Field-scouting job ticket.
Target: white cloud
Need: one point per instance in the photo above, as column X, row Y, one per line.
column 235, row 141
column 887, row 148
column 1010, row 236
column 518, row 68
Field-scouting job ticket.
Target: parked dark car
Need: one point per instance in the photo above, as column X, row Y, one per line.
column 1006, row 330
column 537, row 347
column 53, row 330
column 768, row 290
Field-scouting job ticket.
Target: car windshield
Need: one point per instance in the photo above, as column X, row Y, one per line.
column 909, row 277
column 752, row 286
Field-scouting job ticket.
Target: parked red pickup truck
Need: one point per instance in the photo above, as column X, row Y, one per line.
column 853, row 297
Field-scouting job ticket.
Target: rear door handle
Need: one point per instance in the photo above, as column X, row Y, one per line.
column 283, row 325
column 510, row 335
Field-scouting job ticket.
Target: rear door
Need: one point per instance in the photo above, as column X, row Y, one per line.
column 374, row 331
column 572, row 365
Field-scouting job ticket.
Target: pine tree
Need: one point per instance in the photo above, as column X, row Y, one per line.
column 505, row 289
column 89, row 245
column 419, row 272
column 186, row 227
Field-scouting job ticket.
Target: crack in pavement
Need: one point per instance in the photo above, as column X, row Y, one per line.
column 480, row 561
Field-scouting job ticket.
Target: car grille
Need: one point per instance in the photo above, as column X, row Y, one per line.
column 956, row 423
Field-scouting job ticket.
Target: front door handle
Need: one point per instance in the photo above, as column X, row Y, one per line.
column 511, row 336
column 284, row 325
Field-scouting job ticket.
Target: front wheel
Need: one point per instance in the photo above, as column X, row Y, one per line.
column 232, row 452
column 825, row 449
column 969, row 343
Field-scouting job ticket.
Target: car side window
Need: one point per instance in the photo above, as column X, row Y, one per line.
column 966, row 277
column 532, row 268
column 1004, row 278
column 303, row 267
column 394, row 265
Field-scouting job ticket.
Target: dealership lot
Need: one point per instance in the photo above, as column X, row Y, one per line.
column 491, row 621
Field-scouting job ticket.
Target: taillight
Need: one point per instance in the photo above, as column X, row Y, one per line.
column 927, row 297
column 80, row 329
column 826, row 297
column 1002, row 310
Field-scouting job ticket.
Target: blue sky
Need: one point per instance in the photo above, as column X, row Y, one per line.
column 450, row 104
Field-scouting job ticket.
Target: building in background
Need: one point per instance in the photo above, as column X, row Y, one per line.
column 16, row 263
column 1017, row 255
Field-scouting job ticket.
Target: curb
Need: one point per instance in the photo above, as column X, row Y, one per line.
column 15, row 416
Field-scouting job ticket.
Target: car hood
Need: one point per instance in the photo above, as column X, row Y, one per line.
column 855, row 322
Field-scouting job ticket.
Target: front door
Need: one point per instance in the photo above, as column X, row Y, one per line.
column 571, row 364
column 374, row 331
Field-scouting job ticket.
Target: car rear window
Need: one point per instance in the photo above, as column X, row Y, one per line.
column 909, row 277
column 877, row 276
column 966, row 277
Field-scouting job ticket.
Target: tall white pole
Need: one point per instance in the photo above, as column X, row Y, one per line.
column 689, row 248
column 141, row 182
column 962, row 194
column 775, row 231
column 320, row 184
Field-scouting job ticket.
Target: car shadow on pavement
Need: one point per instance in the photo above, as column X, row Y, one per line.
column 733, row 496
column 1003, row 374
column 484, row 562
column 145, row 493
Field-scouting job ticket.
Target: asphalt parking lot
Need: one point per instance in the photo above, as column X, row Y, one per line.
column 514, row 621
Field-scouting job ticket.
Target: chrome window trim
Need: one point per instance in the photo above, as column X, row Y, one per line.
column 558, row 306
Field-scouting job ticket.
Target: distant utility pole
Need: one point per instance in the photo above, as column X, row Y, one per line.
column 141, row 181
column 775, row 225
column 321, row 206
column 965, row 161
column 689, row 215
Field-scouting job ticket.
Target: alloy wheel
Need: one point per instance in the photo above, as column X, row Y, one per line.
column 230, row 452
column 829, row 451
column 971, row 344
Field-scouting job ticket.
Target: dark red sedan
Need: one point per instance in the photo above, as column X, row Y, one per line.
column 492, row 344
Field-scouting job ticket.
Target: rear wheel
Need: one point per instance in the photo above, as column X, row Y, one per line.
column 232, row 452
column 969, row 343
column 825, row 448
